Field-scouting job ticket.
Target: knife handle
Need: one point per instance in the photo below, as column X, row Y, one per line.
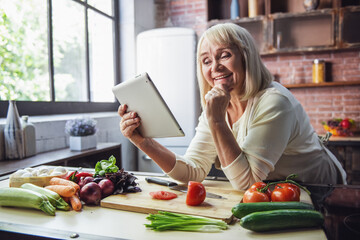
column 160, row 181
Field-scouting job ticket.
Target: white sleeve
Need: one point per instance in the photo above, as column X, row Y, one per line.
column 269, row 131
column 199, row 157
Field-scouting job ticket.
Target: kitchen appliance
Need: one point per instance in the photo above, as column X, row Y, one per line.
column 168, row 55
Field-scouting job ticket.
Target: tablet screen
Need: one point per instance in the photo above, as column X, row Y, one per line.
column 141, row 96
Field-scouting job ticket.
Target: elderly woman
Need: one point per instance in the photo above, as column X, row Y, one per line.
column 251, row 127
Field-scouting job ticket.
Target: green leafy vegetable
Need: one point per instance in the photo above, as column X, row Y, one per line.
column 165, row 221
column 106, row 166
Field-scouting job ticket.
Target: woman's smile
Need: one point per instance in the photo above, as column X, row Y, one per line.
column 222, row 78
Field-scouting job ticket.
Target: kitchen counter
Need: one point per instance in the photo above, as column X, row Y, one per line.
column 347, row 141
column 106, row 223
column 64, row 157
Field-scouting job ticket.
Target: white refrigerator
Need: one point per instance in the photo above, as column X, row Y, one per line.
column 168, row 55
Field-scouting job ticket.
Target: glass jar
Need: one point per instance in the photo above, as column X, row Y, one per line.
column 318, row 74
column 253, row 8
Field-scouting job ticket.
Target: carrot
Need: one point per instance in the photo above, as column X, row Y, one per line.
column 75, row 202
column 61, row 181
column 64, row 191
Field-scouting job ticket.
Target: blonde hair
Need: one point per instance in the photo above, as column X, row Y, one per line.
column 257, row 76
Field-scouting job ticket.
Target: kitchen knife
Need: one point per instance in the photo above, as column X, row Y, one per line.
column 176, row 187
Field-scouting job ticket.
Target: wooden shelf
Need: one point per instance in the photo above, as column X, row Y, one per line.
column 284, row 27
column 325, row 84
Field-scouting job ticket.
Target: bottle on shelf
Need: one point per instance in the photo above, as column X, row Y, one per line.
column 29, row 137
column 234, row 9
column 13, row 134
column 253, row 8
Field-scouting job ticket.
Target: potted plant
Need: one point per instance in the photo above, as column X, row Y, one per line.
column 82, row 133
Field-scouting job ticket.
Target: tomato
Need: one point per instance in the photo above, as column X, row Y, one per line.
column 258, row 186
column 345, row 124
column 282, row 185
column 196, row 193
column 285, row 194
column 252, row 195
column 163, row 195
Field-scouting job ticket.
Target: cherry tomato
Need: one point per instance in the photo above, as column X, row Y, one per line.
column 163, row 195
column 196, row 193
column 252, row 195
column 258, row 186
column 282, row 185
column 285, row 194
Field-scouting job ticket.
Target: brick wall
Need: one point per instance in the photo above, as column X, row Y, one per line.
column 320, row 103
column 182, row 13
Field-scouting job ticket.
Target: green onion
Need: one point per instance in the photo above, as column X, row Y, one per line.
column 165, row 221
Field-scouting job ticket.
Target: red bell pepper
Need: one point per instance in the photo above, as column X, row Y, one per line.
column 83, row 174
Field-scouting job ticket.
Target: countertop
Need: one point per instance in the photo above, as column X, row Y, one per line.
column 53, row 157
column 106, row 223
column 343, row 139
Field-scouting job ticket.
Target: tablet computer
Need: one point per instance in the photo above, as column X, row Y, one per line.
column 141, row 96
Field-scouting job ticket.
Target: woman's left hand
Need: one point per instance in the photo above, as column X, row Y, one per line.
column 217, row 101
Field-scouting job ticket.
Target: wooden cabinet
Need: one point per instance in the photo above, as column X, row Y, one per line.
column 256, row 26
column 284, row 26
column 347, row 151
column 313, row 30
column 349, row 34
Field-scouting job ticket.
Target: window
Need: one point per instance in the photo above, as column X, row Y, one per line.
column 58, row 56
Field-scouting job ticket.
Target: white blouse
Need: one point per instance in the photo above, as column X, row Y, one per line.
column 276, row 139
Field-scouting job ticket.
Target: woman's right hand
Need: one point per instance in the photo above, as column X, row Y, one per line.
column 217, row 101
column 129, row 123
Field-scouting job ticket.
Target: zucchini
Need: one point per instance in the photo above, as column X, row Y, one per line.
column 53, row 197
column 281, row 219
column 19, row 197
column 242, row 209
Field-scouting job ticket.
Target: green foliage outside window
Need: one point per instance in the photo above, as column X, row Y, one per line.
column 23, row 57
column 82, row 54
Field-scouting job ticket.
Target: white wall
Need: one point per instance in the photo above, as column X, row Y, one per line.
column 135, row 17
column 50, row 132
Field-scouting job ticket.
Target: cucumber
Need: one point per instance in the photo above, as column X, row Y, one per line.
column 19, row 197
column 242, row 209
column 281, row 219
column 53, row 197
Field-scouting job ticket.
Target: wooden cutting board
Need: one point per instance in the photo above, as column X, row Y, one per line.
column 211, row 207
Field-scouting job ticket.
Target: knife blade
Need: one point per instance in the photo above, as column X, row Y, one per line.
column 176, row 187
